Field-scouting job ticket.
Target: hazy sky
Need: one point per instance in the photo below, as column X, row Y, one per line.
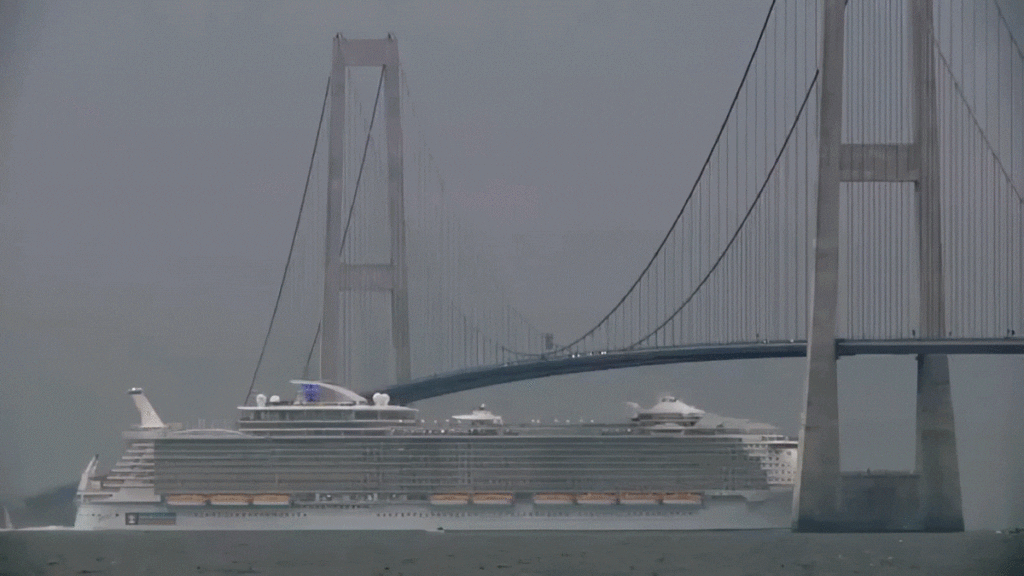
column 153, row 156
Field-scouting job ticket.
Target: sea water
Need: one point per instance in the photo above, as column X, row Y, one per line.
column 704, row 553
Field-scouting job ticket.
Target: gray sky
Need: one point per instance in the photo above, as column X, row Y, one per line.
column 153, row 155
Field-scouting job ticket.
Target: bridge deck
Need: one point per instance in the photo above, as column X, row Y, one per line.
column 543, row 367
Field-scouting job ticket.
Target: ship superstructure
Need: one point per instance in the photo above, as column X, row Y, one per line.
column 331, row 459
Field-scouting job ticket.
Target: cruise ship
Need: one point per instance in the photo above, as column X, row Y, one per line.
column 330, row 459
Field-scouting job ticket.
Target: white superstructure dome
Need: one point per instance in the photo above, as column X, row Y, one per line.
column 671, row 405
column 667, row 409
column 479, row 416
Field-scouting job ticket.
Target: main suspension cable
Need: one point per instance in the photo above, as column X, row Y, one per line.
column 739, row 228
column 291, row 249
column 686, row 202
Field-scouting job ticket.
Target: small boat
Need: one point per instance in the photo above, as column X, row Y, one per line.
column 186, row 500
column 230, row 499
column 449, row 499
column 549, row 499
column 271, row 500
column 639, row 498
column 597, row 498
column 683, row 498
column 493, row 498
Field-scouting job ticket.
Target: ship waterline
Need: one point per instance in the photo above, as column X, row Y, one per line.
column 724, row 514
column 330, row 459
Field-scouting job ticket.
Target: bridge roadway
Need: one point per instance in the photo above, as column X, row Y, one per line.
column 542, row 367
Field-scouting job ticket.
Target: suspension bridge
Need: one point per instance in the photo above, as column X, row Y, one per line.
column 864, row 194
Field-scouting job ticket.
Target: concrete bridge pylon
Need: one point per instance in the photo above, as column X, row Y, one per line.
column 392, row 276
column 819, row 493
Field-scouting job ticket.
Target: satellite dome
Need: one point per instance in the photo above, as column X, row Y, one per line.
column 670, row 405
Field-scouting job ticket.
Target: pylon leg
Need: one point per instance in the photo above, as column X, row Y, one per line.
column 941, row 508
column 816, row 493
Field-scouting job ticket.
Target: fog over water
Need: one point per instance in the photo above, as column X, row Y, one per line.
column 152, row 157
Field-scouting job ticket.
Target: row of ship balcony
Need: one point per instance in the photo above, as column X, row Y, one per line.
column 457, row 499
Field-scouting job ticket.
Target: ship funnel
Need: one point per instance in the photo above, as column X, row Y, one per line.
column 150, row 419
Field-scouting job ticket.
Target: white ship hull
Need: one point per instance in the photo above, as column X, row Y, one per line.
column 714, row 514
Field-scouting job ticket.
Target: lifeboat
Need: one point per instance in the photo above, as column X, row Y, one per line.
column 683, row 498
column 639, row 498
column 597, row 498
column 449, row 499
column 492, row 499
column 185, row 500
column 230, row 499
column 271, row 500
column 548, row 499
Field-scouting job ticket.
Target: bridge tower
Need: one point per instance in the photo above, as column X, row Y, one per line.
column 387, row 277
column 817, row 498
